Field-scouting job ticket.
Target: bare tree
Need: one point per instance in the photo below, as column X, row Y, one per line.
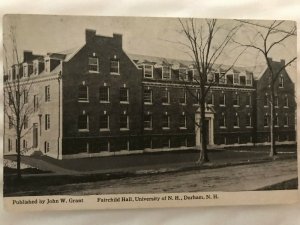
column 206, row 43
column 17, row 86
column 266, row 39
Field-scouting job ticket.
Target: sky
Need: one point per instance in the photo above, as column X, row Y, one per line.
column 141, row 35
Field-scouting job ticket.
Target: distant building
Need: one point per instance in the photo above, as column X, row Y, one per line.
column 97, row 100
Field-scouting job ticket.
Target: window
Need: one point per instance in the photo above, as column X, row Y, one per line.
column 47, row 93
column 222, row 78
column 276, row 121
column 266, row 100
column 183, row 74
column 148, row 96
column 236, row 121
column 25, row 70
column 83, row 122
column 222, row 120
column 83, row 94
column 10, row 122
column 166, row 97
column 166, row 73
column 217, row 78
column 104, row 94
column 286, row 101
column 25, row 122
column 210, row 78
column 248, row 100
column 229, row 79
column 248, row 79
column 248, row 120
column 124, row 121
column 114, row 66
column 9, row 144
column 242, row 80
column 286, row 120
column 166, row 122
column 236, row 99
column 47, row 122
column 35, row 68
column 182, row 97
column 210, row 98
column 148, row 71
column 276, row 103
column 266, row 120
column 47, row 65
column 182, row 122
column 25, row 96
column 10, row 98
column 35, row 103
column 147, row 121
column 281, row 81
column 124, row 95
column 196, row 97
column 93, row 64
column 24, row 144
column 236, row 78
column 46, row 146
column 104, row 122
column 222, row 99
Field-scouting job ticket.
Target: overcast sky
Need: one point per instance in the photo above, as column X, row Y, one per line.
column 148, row 36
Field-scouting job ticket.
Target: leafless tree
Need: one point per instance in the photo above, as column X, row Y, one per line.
column 17, row 107
column 266, row 39
column 206, row 43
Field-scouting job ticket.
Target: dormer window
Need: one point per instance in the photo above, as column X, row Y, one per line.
column 242, row 80
column 222, row 78
column 210, row 78
column 248, row 79
column 236, row 78
column 148, row 71
column 93, row 65
column 166, row 73
column 47, row 65
column 17, row 71
column 35, row 68
column 25, row 70
column 229, row 79
column 183, row 74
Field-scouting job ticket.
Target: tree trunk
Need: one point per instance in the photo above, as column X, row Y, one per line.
column 203, row 154
column 18, row 149
column 272, row 112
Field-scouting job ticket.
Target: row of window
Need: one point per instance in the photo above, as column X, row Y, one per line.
column 276, row 101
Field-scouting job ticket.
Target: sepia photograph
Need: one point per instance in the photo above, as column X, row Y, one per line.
column 120, row 106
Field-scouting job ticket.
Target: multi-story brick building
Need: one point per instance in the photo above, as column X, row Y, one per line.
column 97, row 100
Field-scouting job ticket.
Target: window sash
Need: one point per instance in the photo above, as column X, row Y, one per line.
column 47, row 93
column 83, row 122
column 124, row 119
column 104, row 94
column 93, row 64
column 104, row 122
column 124, row 94
column 115, row 66
column 166, row 97
column 182, row 121
column 236, row 99
column 248, row 121
column 148, row 71
column 47, row 122
column 147, row 96
column 166, row 73
column 148, row 121
column 83, row 93
column 166, row 121
column 182, row 98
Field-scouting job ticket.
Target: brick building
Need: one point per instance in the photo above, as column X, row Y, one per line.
column 97, row 100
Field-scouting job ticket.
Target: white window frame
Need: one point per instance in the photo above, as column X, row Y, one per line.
column 268, row 120
column 183, row 127
column 249, row 125
column 286, row 102
column 276, row 119
column 87, row 124
column 266, row 95
column 168, row 97
column 224, row 99
column 108, row 124
column 108, row 92
column 184, row 97
column 144, row 68
column 286, row 120
column 237, row 118
column 248, row 80
column 127, row 101
column 224, row 121
column 118, row 61
column 227, row 78
column 238, row 100
column 281, row 81
column 238, row 78
column 151, row 96
column 276, row 100
column 97, row 64
column 127, row 123
column 47, row 93
column 168, row 127
column 47, row 121
column 183, row 76
column 163, row 72
column 87, row 92
column 250, row 99
column 212, row 99
column 150, row 122
column 25, row 70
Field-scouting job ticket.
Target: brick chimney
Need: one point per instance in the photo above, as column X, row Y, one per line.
column 118, row 39
column 27, row 55
column 89, row 35
column 282, row 62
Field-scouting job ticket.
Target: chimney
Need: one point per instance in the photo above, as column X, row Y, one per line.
column 118, row 39
column 270, row 59
column 27, row 55
column 282, row 62
column 89, row 35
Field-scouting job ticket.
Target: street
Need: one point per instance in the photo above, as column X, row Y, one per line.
column 232, row 178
